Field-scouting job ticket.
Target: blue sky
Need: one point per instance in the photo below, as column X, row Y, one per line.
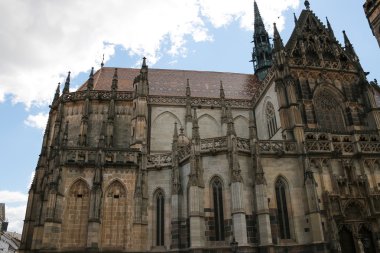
column 206, row 35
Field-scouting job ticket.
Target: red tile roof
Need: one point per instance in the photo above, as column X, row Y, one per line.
column 167, row 82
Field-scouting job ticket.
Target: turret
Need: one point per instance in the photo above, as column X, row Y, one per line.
column 262, row 52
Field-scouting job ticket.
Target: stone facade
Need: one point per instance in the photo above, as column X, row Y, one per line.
column 170, row 160
column 372, row 11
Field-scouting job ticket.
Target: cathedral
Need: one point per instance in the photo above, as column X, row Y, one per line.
column 152, row 160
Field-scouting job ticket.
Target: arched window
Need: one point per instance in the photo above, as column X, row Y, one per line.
column 328, row 111
column 76, row 216
column 271, row 119
column 160, row 218
column 217, row 193
column 282, row 209
column 114, row 214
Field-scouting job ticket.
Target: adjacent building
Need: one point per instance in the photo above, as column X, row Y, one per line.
column 372, row 11
column 283, row 160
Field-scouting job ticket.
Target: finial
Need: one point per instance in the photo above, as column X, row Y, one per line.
column 295, row 18
column 307, row 5
column 222, row 95
column 144, row 62
column 102, row 64
column 349, row 47
column 277, row 41
column 92, row 72
column 57, row 92
column 66, row 89
column 331, row 32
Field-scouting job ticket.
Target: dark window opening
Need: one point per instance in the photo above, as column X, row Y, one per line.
column 217, row 191
column 283, row 218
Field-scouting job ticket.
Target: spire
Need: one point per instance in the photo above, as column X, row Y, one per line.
column 188, row 92
column 262, row 51
column 188, row 115
column 195, row 132
column 57, row 92
column 230, row 125
column 349, row 48
column 66, row 89
column 222, row 95
column 90, row 84
column 307, row 5
column 331, row 32
column 114, row 80
column 277, row 41
column 295, row 18
column 258, row 20
column 144, row 63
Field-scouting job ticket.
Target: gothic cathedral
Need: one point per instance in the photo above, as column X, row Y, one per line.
column 154, row 160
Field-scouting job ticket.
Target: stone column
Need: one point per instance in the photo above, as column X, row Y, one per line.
column 238, row 214
column 196, row 216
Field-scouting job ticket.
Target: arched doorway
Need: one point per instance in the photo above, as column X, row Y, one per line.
column 346, row 241
column 365, row 235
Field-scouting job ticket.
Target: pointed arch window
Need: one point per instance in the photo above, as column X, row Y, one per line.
column 217, row 193
column 114, row 215
column 328, row 111
column 160, row 218
column 271, row 119
column 74, row 232
column 282, row 209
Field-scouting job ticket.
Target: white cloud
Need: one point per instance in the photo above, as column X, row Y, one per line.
column 12, row 197
column 15, row 217
column 38, row 121
column 15, row 207
column 47, row 38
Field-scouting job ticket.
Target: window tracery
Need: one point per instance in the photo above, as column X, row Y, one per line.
column 328, row 112
column 271, row 119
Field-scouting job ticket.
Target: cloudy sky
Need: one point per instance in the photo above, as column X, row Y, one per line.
column 41, row 40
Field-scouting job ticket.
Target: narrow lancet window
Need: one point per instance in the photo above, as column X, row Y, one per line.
column 160, row 219
column 282, row 208
column 217, row 191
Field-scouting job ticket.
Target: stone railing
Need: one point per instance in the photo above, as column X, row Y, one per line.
column 369, row 147
column 90, row 156
column 159, row 160
column 214, row 144
column 278, row 147
column 198, row 101
column 96, row 94
column 243, row 144
column 342, row 143
column 184, row 152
